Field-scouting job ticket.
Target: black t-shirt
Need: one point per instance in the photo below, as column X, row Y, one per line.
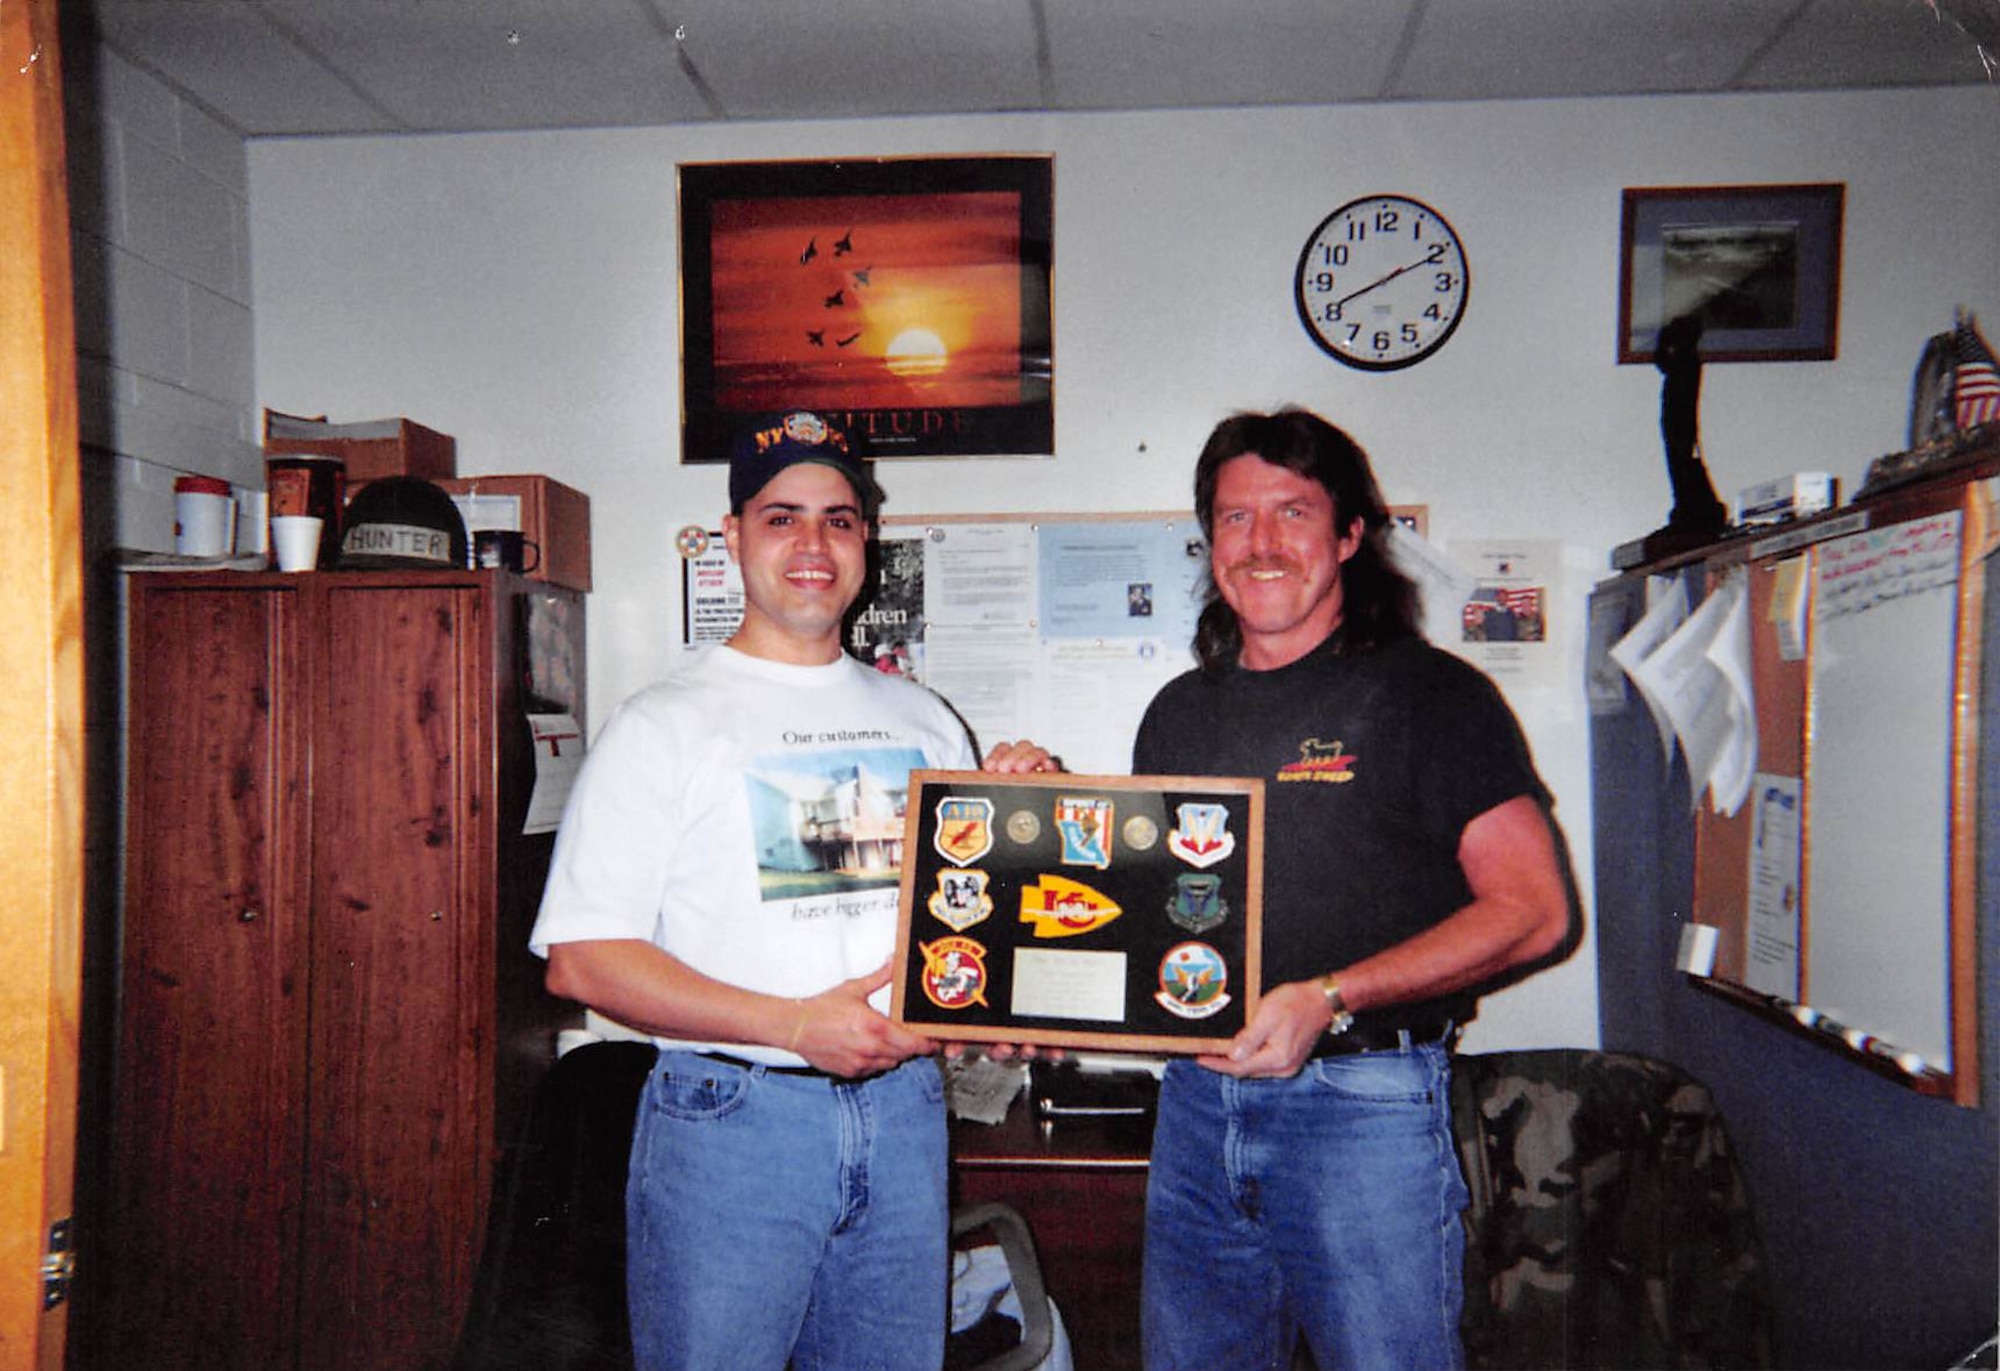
column 1373, row 765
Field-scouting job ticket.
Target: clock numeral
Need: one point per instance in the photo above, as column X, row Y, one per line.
column 1330, row 312
column 1381, row 340
column 1409, row 332
column 1387, row 220
column 1445, row 282
column 1323, row 281
column 1435, row 255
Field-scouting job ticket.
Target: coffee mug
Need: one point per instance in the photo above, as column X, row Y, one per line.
column 204, row 517
column 504, row 549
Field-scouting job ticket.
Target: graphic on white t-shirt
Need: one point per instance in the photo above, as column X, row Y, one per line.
column 829, row 821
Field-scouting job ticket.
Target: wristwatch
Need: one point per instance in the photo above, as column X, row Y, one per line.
column 1342, row 1019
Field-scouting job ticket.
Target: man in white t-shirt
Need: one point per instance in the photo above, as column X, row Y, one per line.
column 725, row 879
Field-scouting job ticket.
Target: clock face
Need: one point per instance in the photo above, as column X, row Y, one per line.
column 1382, row 282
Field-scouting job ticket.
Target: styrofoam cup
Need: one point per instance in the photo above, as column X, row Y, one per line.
column 296, row 537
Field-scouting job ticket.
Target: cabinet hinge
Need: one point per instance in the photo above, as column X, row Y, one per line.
column 58, row 1265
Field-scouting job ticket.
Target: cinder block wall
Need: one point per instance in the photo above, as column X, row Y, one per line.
column 160, row 242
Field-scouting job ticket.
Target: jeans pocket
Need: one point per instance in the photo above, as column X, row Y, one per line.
column 694, row 1089
column 1377, row 1077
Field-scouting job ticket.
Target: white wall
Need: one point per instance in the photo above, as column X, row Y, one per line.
column 520, row 291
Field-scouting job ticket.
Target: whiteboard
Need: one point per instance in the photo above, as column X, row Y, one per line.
column 1879, row 782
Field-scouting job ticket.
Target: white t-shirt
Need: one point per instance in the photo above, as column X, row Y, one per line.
column 747, row 816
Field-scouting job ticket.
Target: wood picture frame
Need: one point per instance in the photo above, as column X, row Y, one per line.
column 1112, row 912
column 1759, row 267
column 908, row 297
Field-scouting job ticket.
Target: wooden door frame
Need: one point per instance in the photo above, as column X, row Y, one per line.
column 41, row 686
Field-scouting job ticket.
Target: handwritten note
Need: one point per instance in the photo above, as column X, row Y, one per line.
column 1883, row 565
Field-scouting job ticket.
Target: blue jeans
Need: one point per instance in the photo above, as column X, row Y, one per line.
column 774, row 1218
column 1327, row 1204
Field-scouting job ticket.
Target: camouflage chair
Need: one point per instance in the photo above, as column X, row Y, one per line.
column 1609, row 1225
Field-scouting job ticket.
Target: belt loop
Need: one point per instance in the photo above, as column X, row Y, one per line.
column 1403, row 1040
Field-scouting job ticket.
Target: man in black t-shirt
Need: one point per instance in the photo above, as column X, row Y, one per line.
column 1305, row 1182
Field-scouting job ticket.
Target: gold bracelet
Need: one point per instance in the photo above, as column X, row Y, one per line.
column 1342, row 1020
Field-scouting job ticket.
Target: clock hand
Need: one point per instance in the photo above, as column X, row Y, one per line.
column 1381, row 281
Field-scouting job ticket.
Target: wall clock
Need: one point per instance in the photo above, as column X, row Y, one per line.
column 1382, row 282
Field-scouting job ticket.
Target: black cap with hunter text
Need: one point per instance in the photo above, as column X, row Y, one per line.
column 778, row 441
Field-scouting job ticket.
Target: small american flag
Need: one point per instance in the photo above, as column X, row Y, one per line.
column 1975, row 386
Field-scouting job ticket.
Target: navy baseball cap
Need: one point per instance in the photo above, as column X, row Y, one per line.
column 778, row 441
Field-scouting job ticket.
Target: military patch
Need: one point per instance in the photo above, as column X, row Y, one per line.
column 1200, row 836
column 1194, row 981
column 1058, row 907
column 1197, row 904
column 954, row 973
column 691, row 542
column 960, row 901
column 964, row 829
column 1140, row 833
column 1085, row 825
column 1023, row 827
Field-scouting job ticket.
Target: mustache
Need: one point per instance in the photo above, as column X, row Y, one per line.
column 1261, row 562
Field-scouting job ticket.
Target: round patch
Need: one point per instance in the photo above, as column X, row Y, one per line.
column 954, row 973
column 691, row 541
column 802, row 426
column 1194, row 981
column 1141, row 833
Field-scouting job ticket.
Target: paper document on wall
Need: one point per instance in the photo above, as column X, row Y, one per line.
column 1666, row 610
column 1787, row 612
column 1771, row 963
column 1698, row 679
column 558, row 757
column 1442, row 584
column 1729, row 653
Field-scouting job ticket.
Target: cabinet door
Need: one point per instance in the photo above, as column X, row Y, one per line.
column 401, row 1033
column 206, row 1159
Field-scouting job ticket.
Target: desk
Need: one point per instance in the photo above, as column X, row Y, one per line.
column 1081, row 1185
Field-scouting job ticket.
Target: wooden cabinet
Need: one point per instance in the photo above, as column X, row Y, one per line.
column 329, row 1017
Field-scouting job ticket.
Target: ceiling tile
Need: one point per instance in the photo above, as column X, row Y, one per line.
column 1139, row 54
column 1525, row 49
column 1869, row 43
column 493, row 64
column 221, row 53
column 811, row 59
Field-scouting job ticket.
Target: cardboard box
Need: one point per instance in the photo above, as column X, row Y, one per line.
column 372, row 449
column 1792, row 497
column 555, row 518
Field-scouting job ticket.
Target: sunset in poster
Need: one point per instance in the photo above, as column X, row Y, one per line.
column 867, row 301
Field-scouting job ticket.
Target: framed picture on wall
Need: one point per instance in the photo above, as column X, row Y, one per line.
column 907, row 296
column 1758, row 267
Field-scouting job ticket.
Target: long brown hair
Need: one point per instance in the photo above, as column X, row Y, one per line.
column 1379, row 603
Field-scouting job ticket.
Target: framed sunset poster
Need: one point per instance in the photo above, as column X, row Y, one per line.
column 906, row 296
